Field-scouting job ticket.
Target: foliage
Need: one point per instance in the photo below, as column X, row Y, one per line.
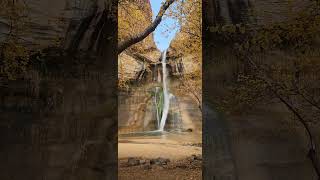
column 192, row 83
column 297, row 33
column 14, row 59
column 285, row 54
column 134, row 17
column 189, row 15
column 14, row 56
column 159, row 101
column 188, row 43
column 278, row 61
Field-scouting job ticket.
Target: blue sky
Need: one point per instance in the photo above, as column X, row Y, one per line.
column 166, row 30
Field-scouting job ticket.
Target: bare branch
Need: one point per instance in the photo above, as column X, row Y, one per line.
column 273, row 87
column 139, row 37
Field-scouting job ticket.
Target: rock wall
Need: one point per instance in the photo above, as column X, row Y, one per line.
column 250, row 11
column 137, row 111
column 58, row 121
column 134, row 17
column 52, row 23
column 266, row 142
column 135, row 102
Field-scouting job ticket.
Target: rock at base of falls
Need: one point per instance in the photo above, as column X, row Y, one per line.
column 187, row 130
column 133, row 161
column 160, row 161
column 195, row 157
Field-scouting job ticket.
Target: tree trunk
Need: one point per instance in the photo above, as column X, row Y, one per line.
column 139, row 37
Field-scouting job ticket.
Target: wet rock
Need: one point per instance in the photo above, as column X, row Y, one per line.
column 142, row 161
column 133, row 162
column 147, row 162
column 152, row 161
column 195, row 158
column 187, row 130
column 160, row 161
column 192, row 158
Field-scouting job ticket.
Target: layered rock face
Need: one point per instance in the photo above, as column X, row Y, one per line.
column 58, row 122
column 137, row 111
column 259, row 144
column 70, row 23
column 48, row 20
column 250, row 11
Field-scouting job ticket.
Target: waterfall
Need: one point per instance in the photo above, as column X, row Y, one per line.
column 166, row 95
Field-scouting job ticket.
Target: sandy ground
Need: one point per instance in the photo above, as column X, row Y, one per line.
column 185, row 169
column 174, row 147
column 179, row 148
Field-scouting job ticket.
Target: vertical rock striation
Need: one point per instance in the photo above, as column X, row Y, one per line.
column 250, row 146
column 58, row 121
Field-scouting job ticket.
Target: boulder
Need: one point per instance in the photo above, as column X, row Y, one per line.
column 133, row 161
column 160, row 161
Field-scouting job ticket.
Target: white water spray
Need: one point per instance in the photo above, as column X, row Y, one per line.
column 166, row 100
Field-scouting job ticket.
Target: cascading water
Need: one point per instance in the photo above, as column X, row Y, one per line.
column 163, row 115
column 166, row 96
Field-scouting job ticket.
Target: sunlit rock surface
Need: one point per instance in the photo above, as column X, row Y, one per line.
column 136, row 59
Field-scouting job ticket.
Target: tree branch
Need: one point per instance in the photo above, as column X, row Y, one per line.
column 139, row 37
column 140, row 57
column 312, row 149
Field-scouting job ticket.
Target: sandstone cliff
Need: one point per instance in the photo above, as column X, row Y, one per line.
column 250, row 11
column 258, row 144
column 64, row 23
column 57, row 121
column 133, row 18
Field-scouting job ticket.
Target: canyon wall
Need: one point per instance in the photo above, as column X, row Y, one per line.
column 58, row 120
column 266, row 142
column 134, row 17
column 250, row 11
